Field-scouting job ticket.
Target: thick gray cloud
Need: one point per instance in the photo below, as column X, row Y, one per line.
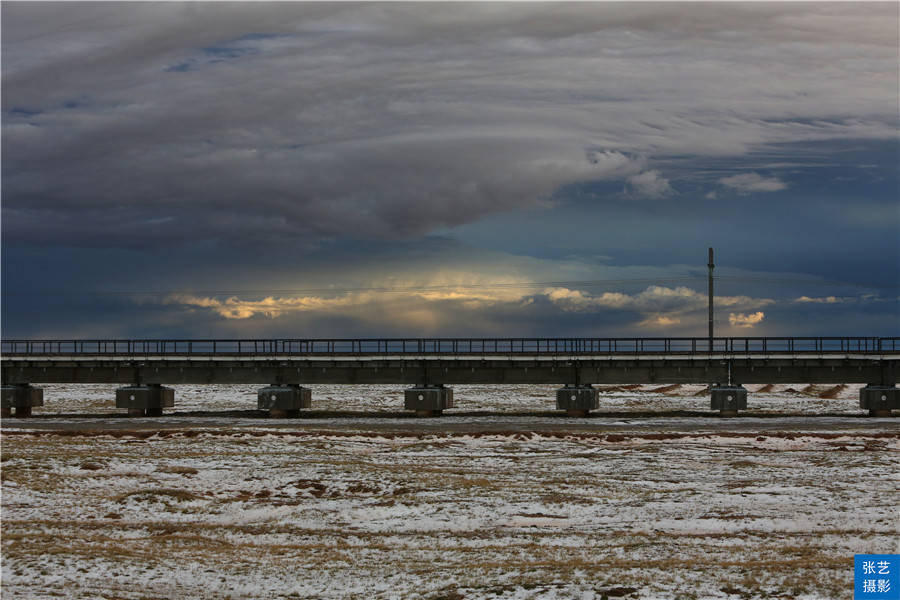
column 133, row 124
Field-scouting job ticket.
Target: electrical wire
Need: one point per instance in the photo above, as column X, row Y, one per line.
column 799, row 281
column 393, row 289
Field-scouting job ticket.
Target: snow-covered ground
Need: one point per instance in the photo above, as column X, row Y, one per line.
column 332, row 508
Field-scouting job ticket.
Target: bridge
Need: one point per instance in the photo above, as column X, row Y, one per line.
column 429, row 365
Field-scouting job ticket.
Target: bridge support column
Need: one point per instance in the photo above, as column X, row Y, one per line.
column 428, row 400
column 577, row 400
column 728, row 399
column 880, row 400
column 145, row 400
column 283, row 400
column 21, row 397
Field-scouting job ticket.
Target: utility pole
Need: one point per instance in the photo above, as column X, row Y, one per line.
column 711, row 267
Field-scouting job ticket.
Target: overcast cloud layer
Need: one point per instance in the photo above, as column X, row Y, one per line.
column 282, row 146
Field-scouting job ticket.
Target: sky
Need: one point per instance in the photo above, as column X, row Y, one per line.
column 337, row 169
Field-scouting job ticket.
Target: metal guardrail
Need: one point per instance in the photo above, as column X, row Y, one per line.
column 450, row 346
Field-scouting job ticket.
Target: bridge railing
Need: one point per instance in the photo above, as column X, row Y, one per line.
column 451, row 346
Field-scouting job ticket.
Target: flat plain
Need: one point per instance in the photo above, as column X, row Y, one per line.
column 651, row 497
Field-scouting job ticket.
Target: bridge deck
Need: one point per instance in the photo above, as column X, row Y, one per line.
column 457, row 360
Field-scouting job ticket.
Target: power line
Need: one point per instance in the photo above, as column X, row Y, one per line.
column 799, row 281
column 393, row 289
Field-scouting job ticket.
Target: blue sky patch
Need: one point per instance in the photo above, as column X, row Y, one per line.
column 229, row 50
column 18, row 111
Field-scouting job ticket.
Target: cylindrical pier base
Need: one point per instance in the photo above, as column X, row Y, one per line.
column 145, row 412
column 578, row 414
column 429, row 413
column 879, row 413
column 284, row 413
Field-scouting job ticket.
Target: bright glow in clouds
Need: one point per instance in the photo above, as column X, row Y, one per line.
column 235, row 308
column 655, row 299
column 746, row 321
column 660, row 321
column 657, row 305
column 441, row 289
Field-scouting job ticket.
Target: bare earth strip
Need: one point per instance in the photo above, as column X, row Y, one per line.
column 335, row 508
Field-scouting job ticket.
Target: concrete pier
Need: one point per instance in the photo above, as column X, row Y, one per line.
column 145, row 400
column 728, row 399
column 283, row 400
column 21, row 397
column 577, row 400
column 428, row 400
column 880, row 400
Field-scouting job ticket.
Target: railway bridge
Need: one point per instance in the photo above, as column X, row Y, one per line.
column 430, row 365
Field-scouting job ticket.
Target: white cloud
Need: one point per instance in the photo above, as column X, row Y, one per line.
column 661, row 306
column 825, row 300
column 753, row 182
column 650, row 184
column 746, row 321
column 577, row 301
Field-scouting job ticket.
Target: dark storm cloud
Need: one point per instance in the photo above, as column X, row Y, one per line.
column 132, row 124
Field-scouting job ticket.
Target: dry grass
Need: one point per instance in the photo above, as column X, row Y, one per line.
column 832, row 392
column 178, row 470
column 163, row 494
